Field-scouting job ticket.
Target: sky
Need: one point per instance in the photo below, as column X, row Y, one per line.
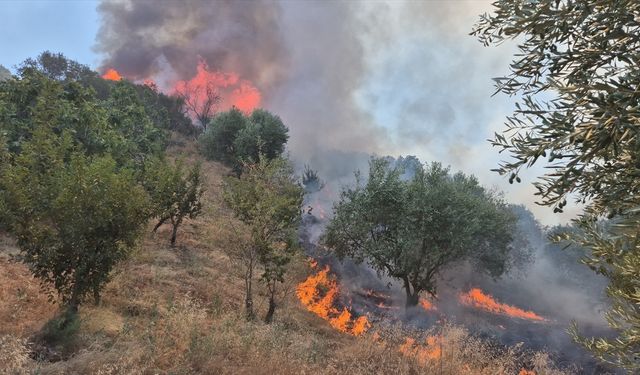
column 422, row 81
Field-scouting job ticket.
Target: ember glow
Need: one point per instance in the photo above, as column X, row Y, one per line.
column 427, row 305
column 477, row 298
column 319, row 293
column 233, row 91
column 112, row 75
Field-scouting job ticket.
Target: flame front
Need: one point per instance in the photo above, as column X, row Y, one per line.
column 318, row 293
column 477, row 298
column 112, row 75
column 233, row 91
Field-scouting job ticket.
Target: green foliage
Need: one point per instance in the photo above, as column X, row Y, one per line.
column 119, row 125
column 272, row 135
column 74, row 216
column 577, row 74
column 137, row 135
column 175, row 193
column 166, row 112
column 234, row 138
column 218, row 141
column 268, row 199
column 70, row 169
column 34, row 100
column 412, row 229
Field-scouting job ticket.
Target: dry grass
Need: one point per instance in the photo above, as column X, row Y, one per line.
column 177, row 311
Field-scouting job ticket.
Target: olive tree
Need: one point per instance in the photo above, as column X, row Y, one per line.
column 412, row 229
column 235, row 138
column 175, row 193
column 268, row 199
column 74, row 216
column 576, row 77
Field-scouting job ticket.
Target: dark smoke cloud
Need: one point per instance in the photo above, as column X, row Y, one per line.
column 305, row 57
column 140, row 37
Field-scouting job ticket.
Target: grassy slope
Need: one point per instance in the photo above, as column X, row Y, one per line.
column 178, row 311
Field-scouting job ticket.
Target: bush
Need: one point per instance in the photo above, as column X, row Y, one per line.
column 233, row 137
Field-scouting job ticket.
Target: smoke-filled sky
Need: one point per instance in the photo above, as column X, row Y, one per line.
column 348, row 78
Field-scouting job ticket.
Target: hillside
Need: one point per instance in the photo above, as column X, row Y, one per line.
column 179, row 311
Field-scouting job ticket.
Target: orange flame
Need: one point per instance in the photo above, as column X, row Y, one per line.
column 318, row 293
column 427, row 305
column 477, row 298
column 526, row 372
column 233, row 91
column 112, row 75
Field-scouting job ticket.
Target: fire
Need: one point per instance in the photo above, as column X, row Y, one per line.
column 313, row 263
column 112, row 75
column 233, row 91
column 526, row 372
column 427, row 305
column 318, row 293
column 423, row 353
column 477, row 298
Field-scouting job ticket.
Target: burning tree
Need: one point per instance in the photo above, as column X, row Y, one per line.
column 412, row 229
column 200, row 100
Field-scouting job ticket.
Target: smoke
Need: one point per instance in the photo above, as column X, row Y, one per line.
column 353, row 79
column 349, row 79
column 145, row 38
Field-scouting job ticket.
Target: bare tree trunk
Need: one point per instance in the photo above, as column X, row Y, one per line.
column 272, row 302
column 96, row 296
column 248, row 284
column 155, row 229
column 413, row 295
column 174, row 232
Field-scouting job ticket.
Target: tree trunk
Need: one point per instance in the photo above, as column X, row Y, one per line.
column 174, row 233
column 413, row 294
column 248, row 302
column 248, row 283
column 271, row 286
column 272, row 309
column 155, row 229
column 96, row 296
column 71, row 310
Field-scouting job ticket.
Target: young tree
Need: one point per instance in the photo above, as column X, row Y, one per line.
column 577, row 74
column 175, row 193
column 268, row 199
column 74, row 217
column 412, row 229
